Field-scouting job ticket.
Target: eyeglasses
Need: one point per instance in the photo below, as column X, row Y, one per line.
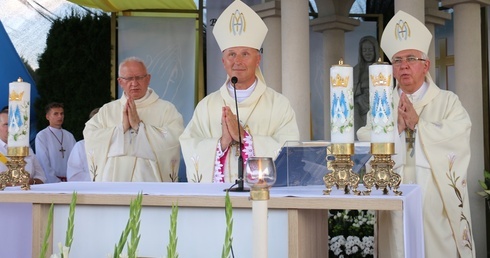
column 133, row 78
column 397, row 61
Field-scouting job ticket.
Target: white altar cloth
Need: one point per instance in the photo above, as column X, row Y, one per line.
column 411, row 201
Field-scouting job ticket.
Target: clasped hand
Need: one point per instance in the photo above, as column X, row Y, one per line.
column 229, row 128
column 407, row 116
column 131, row 118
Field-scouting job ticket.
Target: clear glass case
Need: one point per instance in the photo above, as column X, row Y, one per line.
column 305, row 163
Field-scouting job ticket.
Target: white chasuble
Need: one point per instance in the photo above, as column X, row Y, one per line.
column 441, row 158
column 267, row 115
column 151, row 154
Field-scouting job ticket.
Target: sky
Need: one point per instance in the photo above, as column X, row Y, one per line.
column 28, row 22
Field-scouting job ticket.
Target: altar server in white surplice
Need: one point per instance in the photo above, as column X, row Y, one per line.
column 432, row 146
column 54, row 144
column 135, row 138
column 267, row 120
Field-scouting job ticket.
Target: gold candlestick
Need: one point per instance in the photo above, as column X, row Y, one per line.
column 18, row 136
column 342, row 175
column 382, row 175
column 16, row 173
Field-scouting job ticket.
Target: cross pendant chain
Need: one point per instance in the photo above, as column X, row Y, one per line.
column 62, row 152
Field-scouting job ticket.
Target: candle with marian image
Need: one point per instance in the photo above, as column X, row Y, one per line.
column 381, row 101
column 19, row 113
column 341, row 103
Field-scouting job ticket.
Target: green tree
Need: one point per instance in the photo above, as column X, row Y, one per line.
column 29, row 69
column 75, row 69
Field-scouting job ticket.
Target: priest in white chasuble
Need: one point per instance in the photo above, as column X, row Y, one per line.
column 432, row 146
column 134, row 138
column 267, row 120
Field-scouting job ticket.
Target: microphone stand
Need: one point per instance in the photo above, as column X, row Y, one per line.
column 240, row 180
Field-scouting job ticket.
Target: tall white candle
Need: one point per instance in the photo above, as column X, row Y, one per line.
column 19, row 113
column 341, row 104
column 381, row 103
column 260, row 228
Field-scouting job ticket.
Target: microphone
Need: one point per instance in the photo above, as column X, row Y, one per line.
column 239, row 181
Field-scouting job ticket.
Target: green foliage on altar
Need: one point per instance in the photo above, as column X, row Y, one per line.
column 131, row 230
column 225, row 253
column 130, row 235
column 75, row 69
column 485, row 185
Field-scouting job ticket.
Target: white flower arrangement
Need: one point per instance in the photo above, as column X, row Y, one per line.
column 351, row 233
column 352, row 246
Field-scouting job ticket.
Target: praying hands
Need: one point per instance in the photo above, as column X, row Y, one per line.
column 131, row 118
column 229, row 128
column 407, row 116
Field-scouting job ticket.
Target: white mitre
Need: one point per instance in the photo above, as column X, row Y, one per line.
column 405, row 32
column 240, row 26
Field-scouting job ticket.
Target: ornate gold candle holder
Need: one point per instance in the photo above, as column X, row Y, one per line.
column 260, row 176
column 16, row 173
column 381, row 174
column 342, row 175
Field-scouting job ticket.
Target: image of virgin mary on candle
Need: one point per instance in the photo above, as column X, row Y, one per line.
column 17, row 122
column 381, row 111
column 341, row 114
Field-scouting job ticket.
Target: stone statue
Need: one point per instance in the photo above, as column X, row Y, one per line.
column 368, row 54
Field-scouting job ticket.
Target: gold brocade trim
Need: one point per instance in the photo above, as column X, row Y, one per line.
column 342, row 148
column 18, row 151
column 383, row 148
column 259, row 194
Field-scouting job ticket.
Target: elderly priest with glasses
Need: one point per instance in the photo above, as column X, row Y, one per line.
column 432, row 146
column 134, row 138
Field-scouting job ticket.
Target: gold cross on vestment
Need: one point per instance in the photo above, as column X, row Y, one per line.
column 409, row 138
column 237, row 146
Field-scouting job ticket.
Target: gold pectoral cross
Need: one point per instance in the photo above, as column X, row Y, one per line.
column 237, row 148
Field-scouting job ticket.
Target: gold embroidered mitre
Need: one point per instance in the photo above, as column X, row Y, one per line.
column 403, row 32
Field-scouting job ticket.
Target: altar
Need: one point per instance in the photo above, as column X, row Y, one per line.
column 298, row 217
